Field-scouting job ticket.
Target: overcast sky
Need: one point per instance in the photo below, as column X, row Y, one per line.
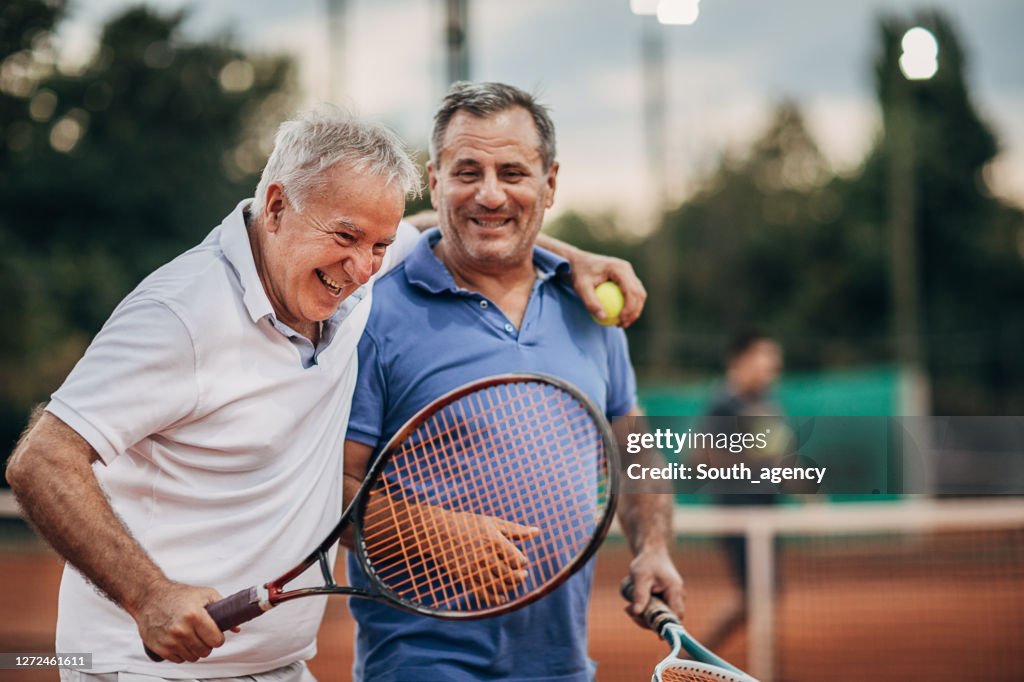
column 583, row 56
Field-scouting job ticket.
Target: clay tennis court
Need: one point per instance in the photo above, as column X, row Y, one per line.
column 949, row 611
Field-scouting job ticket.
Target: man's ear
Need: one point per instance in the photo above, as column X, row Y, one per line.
column 432, row 172
column 552, row 183
column 273, row 206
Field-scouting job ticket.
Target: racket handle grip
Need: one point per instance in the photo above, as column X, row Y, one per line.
column 657, row 613
column 229, row 612
column 241, row 607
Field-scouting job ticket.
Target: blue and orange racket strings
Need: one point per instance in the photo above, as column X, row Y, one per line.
column 527, row 453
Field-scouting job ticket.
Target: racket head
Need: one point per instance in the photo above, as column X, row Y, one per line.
column 678, row 670
column 527, row 450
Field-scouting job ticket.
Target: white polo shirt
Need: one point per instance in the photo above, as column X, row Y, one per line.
column 221, row 441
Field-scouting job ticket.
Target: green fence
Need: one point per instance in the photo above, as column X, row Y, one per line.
column 870, row 392
column 865, row 392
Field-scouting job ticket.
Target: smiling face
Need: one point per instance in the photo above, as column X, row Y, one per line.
column 310, row 261
column 490, row 189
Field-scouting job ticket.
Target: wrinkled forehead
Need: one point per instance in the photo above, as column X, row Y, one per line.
column 505, row 135
column 347, row 180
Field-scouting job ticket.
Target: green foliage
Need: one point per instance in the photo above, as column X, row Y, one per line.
column 111, row 171
column 420, row 204
column 775, row 239
column 970, row 268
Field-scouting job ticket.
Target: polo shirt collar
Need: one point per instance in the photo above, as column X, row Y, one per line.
column 234, row 242
column 425, row 270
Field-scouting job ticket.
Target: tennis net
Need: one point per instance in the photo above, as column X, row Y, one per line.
column 917, row 589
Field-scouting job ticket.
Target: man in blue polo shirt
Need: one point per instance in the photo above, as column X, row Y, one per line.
column 477, row 298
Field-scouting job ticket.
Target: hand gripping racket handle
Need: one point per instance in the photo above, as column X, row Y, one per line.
column 241, row 607
column 657, row 613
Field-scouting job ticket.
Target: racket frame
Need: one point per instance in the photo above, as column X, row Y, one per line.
column 274, row 592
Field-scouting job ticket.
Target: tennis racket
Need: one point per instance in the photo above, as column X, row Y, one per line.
column 484, row 501
column 707, row 667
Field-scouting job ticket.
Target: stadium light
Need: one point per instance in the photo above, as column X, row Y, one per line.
column 919, row 61
column 920, row 58
column 678, row 12
column 644, row 7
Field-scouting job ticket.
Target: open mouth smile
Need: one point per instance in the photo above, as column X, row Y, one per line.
column 492, row 223
column 334, row 287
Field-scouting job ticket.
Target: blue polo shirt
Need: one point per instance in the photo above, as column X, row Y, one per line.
column 425, row 337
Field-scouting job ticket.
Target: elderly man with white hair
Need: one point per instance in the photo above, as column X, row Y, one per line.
column 197, row 445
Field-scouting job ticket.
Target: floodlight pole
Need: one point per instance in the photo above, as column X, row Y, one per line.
column 336, row 49
column 456, row 40
column 653, row 49
column 658, row 254
column 904, row 261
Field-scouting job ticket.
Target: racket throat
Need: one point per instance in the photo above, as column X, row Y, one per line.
column 263, row 598
column 681, row 639
column 674, row 636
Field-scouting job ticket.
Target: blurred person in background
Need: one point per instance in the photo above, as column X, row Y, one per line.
column 753, row 365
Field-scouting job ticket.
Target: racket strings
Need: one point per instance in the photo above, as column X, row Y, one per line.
column 548, row 563
column 435, row 550
column 440, row 463
column 440, row 467
column 472, row 542
column 531, row 480
column 492, row 484
column 480, row 579
column 503, row 454
column 687, row 675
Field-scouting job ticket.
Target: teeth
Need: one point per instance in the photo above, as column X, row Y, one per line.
column 331, row 284
column 490, row 223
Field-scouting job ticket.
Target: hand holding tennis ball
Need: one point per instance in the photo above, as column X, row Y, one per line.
column 610, row 296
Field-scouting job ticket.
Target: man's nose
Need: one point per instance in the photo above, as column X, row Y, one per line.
column 491, row 195
column 359, row 266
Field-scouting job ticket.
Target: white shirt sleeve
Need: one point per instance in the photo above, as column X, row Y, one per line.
column 405, row 240
column 136, row 378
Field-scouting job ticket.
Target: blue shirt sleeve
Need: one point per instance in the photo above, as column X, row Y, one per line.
column 621, row 378
column 365, row 424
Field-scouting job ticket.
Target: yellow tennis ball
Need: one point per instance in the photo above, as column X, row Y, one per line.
column 612, row 301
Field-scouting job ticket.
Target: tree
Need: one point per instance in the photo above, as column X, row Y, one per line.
column 773, row 238
column 969, row 268
column 110, row 172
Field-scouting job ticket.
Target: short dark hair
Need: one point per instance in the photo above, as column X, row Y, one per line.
column 485, row 99
column 743, row 340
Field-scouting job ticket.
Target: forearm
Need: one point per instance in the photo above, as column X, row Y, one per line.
column 557, row 246
column 349, row 487
column 646, row 520
column 645, row 512
column 51, row 475
column 356, row 466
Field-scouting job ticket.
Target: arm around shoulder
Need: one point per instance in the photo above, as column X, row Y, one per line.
column 590, row 269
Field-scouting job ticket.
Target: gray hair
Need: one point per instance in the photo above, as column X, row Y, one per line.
column 323, row 137
column 486, row 99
